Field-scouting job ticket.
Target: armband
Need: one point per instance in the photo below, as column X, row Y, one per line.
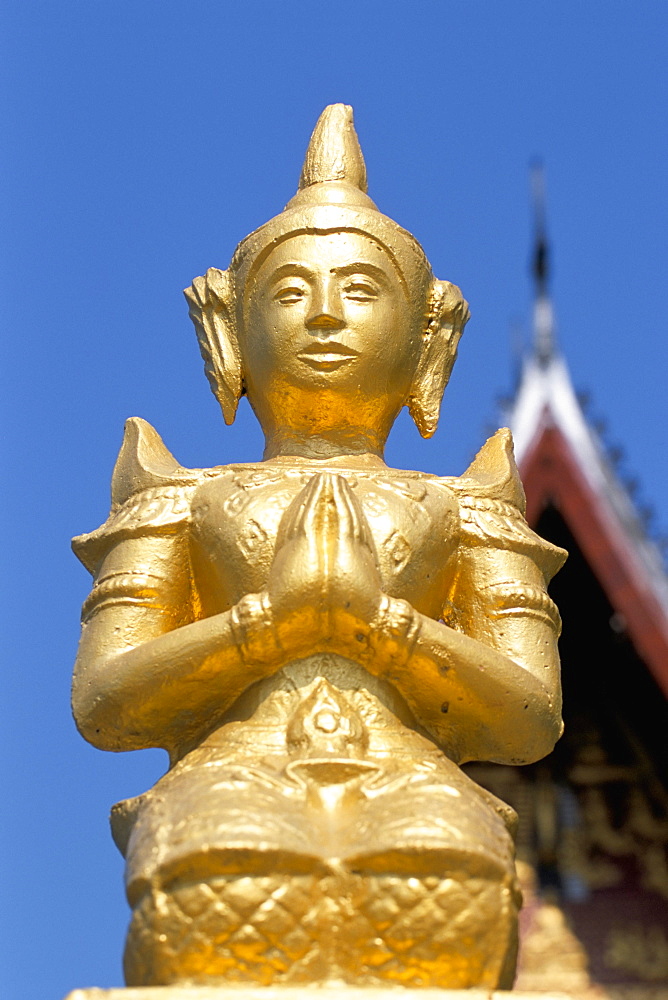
column 130, row 589
column 522, row 599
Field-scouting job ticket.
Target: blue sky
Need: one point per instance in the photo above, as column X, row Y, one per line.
column 145, row 139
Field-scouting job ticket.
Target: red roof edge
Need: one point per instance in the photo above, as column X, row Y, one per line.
column 551, row 475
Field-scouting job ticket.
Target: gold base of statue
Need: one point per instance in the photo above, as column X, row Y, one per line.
column 329, row 992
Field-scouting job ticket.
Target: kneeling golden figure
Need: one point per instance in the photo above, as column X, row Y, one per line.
column 319, row 640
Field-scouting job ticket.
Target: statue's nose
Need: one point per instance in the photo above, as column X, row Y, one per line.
column 325, row 312
column 324, row 321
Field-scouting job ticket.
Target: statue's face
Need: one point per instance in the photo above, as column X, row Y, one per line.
column 329, row 338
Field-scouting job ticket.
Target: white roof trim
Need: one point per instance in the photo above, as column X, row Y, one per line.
column 545, row 398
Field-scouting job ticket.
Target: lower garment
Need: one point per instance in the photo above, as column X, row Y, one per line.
column 298, row 860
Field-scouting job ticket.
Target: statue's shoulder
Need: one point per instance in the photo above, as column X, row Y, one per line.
column 492, row 504
column 492, row 479
column 145, row 463
column 151, row 493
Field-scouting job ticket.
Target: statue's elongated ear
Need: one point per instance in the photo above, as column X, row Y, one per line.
column 212, row 310
column 447, row 316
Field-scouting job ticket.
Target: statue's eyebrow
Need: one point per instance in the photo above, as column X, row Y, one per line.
column 288, row 270
column 361, row 267
column 354, row 267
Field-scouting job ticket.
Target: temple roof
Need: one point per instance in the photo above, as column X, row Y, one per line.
column 564, row 464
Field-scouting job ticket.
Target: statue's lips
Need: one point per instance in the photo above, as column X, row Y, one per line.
column 327, row 356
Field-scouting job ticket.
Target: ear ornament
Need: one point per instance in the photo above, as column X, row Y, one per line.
column 447, row 315
column 211, row 301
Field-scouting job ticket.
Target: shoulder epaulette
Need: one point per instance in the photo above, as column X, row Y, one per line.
column 492, row 505
column 150, row 491
column 493, row 475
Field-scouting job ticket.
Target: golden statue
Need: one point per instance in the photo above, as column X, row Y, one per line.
column 319, row 640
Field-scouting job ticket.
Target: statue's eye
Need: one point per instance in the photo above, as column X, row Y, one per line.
column 289, row 294
column 360, row 291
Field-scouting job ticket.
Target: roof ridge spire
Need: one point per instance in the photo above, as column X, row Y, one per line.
column 544, row 339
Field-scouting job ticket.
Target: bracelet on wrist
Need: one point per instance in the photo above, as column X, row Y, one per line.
column 254, row 630
column 397, row 627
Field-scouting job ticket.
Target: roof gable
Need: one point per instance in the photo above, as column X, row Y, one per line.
column 563, row 462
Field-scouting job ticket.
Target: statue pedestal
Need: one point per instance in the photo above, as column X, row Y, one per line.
column 329, row 992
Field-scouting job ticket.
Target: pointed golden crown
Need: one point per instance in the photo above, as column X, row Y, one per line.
column 334, row 159
column 332, row 198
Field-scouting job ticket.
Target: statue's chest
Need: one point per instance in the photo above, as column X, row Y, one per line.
column 414, row 523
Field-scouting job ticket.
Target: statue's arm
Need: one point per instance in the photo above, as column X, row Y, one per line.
column 485, row 680
column 148, row 673
column 488, row 687
column 150, row 670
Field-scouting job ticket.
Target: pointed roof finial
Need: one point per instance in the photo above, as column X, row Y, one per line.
column 540, row 262
column 544, row 339
column 334, row 152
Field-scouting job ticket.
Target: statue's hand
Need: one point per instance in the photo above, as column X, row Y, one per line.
column 324, row 584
